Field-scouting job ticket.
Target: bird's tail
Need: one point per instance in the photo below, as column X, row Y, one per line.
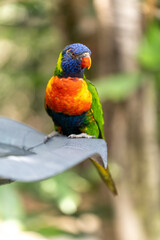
column 106, row 177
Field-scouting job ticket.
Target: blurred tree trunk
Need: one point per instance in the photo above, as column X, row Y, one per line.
column 106, row 60
column 131, row 125
column 127, row 26
column 119, row 34
column 150, row 199
column 133, row 138
column 127, row 29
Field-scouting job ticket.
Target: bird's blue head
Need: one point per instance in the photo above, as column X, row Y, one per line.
column 73, row 60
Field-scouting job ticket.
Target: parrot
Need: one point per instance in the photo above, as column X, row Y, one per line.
column 73, row 103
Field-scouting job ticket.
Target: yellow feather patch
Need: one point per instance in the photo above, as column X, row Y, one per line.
column 59, row 66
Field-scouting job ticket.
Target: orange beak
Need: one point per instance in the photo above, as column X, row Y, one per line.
column 86, row 62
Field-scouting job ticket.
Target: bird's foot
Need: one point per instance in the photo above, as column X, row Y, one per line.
column 81, row 135
column 50, row 135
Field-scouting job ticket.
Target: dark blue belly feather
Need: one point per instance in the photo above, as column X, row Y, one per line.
column 70, row 124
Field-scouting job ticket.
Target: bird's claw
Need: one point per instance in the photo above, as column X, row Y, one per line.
column 81, row 135
column 50, row 135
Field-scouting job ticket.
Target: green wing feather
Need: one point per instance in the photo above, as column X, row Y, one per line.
column 98, row 116
column 96, row 108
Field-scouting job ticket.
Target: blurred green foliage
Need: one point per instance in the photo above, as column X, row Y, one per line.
column 11, row 202
column 30, row 204
column 149, row 49
column 29, row 47
column 118, row 87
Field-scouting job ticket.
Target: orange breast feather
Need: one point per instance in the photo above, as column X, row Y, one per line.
column 68, row 95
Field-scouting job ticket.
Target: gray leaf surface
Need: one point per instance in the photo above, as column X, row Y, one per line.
column 25, row 157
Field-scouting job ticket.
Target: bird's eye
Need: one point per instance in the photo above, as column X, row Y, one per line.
column 72, row 54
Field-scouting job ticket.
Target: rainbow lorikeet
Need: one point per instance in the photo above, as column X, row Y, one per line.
column 73, row 103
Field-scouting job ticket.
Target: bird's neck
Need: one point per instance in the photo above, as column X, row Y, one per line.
column 73, row 75
column 67, row 75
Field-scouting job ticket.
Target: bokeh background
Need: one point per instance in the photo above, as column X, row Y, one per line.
column 124, row 37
